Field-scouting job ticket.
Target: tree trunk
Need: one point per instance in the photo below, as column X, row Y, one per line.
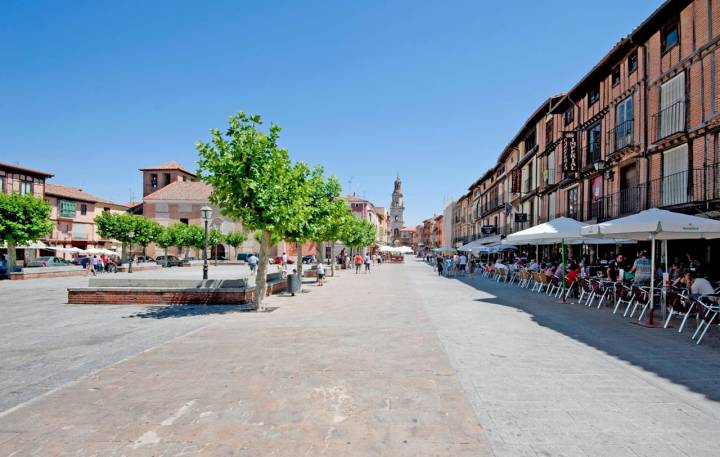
column 12, row 256
column 332, row 257
column 261, row 277
column 166, row 256
column 298, row 262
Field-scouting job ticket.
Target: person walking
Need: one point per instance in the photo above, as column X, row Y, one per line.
column 367, row 263
column 439, row 265
column 358, row 263
column 93, row 264
column 284, row 261
column 462, row 264
column 252, row 262
column 320, row 274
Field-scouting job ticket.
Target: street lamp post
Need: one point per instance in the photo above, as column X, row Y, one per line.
column 131, row 235
column 206, row 214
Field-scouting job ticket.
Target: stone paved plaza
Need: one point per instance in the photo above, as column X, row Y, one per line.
column 398, row 362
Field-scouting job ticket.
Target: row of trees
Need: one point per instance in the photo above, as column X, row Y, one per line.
column 129, row 228
column 254, row 180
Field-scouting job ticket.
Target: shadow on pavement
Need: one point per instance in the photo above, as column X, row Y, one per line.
column 164, row 312
column 665, row 352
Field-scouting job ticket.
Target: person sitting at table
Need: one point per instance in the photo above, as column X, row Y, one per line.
column 697, row 284
column 614, row 267
column 549, row 270
column 676, row 274
column 642, row 270
column 533, row 265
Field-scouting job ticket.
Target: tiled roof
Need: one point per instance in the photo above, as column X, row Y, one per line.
column 26, row 170
column 408, row 229
column 183, row 190
column 74, row 193
column 171, row 165
column 132, row 204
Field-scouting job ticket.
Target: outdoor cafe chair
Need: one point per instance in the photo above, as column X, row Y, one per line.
column 586, row 292
column 554, row 287
column 658, row 298
column 641, row 296
column 679, row 304
column 600, row 291
column 544, row 282
column 709, row 311
column 623, row 294
column 501, row 275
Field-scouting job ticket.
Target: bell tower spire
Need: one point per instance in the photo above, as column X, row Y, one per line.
column 397, row 212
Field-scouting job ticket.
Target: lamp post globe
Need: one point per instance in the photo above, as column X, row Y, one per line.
column 205, row 214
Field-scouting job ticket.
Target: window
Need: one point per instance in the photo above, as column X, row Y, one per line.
column 167, row 178
column 549, row 132
column 26, row 188
column 624, row 123
column 83, row 209
column 670, row 37
column 551, row 206
column 593, row 96
column 2, row 184
column 568, row 116
column 153, row 181
column 675, row 176
column 106, row 209
column 615, row 76
column 572, row 203
column 593, row 144
column 550, row 176
column 184, row 221
column 530, row 141
column 67, row 208
column 632, row 63
column 671, row 117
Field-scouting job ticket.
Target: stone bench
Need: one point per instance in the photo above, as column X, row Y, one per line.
column 169, row 283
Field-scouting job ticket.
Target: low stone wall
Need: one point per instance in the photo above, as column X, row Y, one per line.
column 168, row 295
column 47, row 272
column 140, row 267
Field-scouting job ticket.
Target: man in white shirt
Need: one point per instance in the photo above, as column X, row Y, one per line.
column 462, row 262
column 284, row 260
column 698, row 286
column 252, row 262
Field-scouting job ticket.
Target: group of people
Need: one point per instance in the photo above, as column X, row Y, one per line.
column 451, row 266
column 102, row 264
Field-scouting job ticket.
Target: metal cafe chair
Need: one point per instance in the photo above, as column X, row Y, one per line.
column 709, row 310
column 586, row 291
column 680, row 305
column 641, row 296
column 623, row 294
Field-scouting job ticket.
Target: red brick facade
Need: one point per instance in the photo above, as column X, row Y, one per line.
column 640, row 130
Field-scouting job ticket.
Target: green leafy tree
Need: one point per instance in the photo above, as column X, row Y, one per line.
column 120, row 226
column 23, row 218
column 165, row 239
column 329, row 214
column 178, row 232
column 235, row 239
column 194, row 237
column 215, row 237
column 253, row 180
column 358, row 233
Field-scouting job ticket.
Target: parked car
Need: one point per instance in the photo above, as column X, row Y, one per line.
column 190, row 259
column 48, row 261
column 3, row 268
column 310, row 258
column 243, row 256
column 81, row 261
column 278, row 261
column 144, row 258
column 172, row 261
column 217, row 257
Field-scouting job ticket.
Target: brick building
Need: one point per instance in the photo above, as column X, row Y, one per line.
column 639, row 130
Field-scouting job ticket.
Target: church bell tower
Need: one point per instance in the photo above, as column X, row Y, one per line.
column 397, row 210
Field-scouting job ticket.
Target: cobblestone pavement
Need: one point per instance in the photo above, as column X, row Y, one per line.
column 398, row 362
column 553, row 379
column 353, row 368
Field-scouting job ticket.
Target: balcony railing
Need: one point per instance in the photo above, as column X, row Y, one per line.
column 669, row 121
column 627, row 201
column 621, row 137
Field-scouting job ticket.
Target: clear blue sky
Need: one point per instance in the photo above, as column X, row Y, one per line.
column 94, row 90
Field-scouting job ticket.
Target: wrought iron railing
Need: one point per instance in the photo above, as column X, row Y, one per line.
column 669, row 121
column 621, row 137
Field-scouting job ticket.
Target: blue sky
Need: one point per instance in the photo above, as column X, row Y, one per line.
column 94, row 90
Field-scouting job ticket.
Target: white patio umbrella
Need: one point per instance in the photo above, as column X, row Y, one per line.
column 655, row 224
column 405, row 250
column 386, row 248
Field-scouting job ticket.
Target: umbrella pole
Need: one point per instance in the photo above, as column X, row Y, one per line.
column 562, row 280
column 652, row 277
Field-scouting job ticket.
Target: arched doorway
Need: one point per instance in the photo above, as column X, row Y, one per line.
column 218, row 250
